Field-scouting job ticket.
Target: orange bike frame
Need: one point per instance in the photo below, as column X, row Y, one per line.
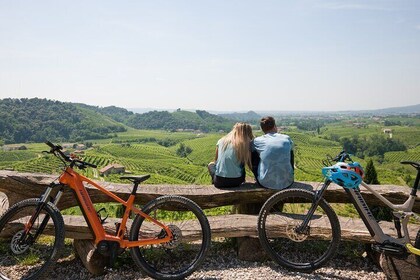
column 75, row 181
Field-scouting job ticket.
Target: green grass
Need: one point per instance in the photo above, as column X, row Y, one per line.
column 28, row 259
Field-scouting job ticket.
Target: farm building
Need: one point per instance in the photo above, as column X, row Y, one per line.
column 388, row 131
column 14, row 147
column 112, row 169
column 74, row 146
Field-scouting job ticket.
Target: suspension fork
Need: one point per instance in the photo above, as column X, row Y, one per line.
column 317, row 198
column 45, row 198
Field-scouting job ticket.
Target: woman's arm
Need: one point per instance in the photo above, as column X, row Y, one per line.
column 217, row 154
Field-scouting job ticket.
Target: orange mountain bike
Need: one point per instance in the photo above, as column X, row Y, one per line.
column 169, row 237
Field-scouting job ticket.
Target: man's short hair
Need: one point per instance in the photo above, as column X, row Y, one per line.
column 267, row 123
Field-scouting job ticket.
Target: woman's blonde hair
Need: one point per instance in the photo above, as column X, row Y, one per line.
column 240, row 138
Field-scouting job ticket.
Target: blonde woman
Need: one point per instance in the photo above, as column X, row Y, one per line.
column 232, row 154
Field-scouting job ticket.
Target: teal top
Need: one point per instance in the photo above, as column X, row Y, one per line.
column 227, row 164
column 275, row 170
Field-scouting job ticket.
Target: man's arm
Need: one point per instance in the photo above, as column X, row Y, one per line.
column 292, row 154
column 292, row 159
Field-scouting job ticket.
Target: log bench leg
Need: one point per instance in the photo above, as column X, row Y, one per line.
column 4, row 203
column 249, row 248
column 93, row 261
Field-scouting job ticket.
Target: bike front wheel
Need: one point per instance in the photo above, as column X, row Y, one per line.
column 287, row 242
column 30, row 239
column 191, row 238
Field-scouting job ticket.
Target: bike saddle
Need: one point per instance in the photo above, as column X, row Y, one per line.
column 136, row 179
column 416, row 165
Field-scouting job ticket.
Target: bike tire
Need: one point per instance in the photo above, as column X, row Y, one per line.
column 20, row 260
column 184, row 254
column 281, row 214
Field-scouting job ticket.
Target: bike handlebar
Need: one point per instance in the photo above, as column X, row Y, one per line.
column 56, row 150
column 84, row 163
column 342, row 157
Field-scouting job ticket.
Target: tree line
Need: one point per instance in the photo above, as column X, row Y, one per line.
column 373, row 145
column 36, row 120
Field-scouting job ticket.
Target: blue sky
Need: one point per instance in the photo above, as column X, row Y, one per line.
column 213, row 55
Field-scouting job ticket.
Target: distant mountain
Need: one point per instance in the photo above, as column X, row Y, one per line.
column 252, row 115
column 414, row 109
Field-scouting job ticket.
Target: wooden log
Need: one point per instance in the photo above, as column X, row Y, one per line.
column 235, row 225
column 93, row 261
column 19, row 186
column 249, row 248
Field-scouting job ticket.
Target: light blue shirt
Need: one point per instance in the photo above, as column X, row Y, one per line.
column 275, row 170
column 227, row 164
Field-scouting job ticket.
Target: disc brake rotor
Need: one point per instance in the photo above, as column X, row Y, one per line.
column 293, row 234
column 176, row 237
column 16, row 245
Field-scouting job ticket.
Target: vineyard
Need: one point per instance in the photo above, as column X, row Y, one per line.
column 9, row 158
column 203, row 149
column 411, row 154
column 155, row 153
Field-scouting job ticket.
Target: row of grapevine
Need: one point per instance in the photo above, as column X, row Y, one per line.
column 49, row 165
column 7, row 156
column 410, row 155
column 136, row 151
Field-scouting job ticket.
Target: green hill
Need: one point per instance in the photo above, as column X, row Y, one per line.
column 249, row 116
column 164, row 120
column 35, row 120
column 180, row 120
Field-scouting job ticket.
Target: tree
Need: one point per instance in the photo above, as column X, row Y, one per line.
column 371, row 177
column 183, row 151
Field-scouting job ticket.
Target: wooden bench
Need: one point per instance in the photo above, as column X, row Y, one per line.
column 247, row 199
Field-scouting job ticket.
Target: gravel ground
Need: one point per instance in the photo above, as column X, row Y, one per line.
column 222, row 263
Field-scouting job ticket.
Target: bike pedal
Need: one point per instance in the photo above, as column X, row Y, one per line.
column 391, row 249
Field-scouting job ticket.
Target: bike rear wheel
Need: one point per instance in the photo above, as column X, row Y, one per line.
column 181, row 256
column 29, row 255
column 304, row 250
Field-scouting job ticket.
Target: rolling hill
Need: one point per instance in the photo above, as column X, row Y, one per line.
column 36, row 120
